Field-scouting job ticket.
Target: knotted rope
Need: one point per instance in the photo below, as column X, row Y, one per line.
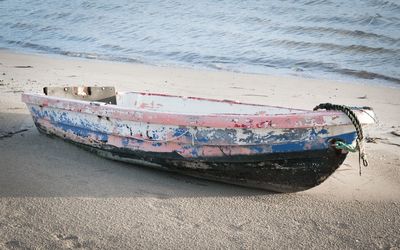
column 362, row 156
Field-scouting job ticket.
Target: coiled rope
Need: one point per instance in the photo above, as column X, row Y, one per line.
column 362, row 156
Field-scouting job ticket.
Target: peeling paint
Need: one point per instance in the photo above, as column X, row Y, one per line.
column 199, row 141
column 184, row 139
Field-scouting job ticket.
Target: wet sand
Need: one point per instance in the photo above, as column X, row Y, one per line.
column 55, row 195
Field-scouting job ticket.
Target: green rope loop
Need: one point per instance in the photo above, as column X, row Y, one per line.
column 345, row 146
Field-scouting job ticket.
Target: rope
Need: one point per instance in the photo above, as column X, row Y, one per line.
column 362, row 156
column 345, row 146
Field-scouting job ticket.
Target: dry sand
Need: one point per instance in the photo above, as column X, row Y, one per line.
column 55, row 195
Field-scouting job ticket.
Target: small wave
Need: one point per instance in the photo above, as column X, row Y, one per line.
column 88, row 4
column 112, row 47
column 59, row 51
column 343, row 32
column 314, row 19
column 386, row 4
column 57, row 15
column 35, row 46
column 78, row 38
column 369, row 75
column 47, row 28
column 20, row 25
column 97, row 56
column 331, row 46
column 335, row 68
column 317, row 2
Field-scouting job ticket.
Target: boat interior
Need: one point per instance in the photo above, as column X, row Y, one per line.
column 163, row 103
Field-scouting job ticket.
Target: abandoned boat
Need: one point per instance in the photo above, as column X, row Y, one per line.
column 272, row 148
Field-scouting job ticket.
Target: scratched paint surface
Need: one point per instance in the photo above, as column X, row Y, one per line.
column 100, row 125
column 274, row 148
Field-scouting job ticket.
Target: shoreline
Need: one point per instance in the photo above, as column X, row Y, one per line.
column 345, row 80
column 55, row 195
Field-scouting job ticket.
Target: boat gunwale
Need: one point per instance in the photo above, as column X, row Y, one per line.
column 307, row 119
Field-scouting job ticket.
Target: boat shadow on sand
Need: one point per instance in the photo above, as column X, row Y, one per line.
column 35, row 165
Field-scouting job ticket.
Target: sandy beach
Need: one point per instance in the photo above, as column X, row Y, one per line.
column 56, row 195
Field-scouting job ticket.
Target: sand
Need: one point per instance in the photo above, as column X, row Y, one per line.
column 55, row 195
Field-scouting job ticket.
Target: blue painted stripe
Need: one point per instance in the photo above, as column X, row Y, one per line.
column 311, row 145
column 82, row 132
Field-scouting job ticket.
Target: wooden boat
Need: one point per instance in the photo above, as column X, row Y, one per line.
column 273, row 148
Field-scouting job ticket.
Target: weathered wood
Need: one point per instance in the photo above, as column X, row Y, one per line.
column 86, row 93
column 261, row 146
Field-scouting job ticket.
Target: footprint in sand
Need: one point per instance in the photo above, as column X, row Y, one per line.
column 15, row 244
column 69, row 241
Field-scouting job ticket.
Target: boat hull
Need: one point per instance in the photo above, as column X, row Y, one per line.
column 278, row 172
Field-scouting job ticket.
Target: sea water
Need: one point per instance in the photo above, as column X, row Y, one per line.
column 355, row 40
